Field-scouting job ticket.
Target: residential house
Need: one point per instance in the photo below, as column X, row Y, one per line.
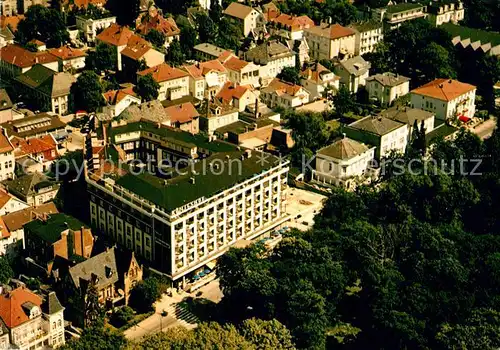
column 16, row 60
column 35, row 154
column 206, row 79
column 353, row 72
column 368, row 35
column 5, row 107
column 290, row 26
column 300, row 48
column 174, row 83
column 70, row 58
column 34, row 189
column 91, row 26
column 445, row 12
column 83, row 4
column 242, row 72
column 471, row 39
column 385, row 134
column 118, row 37
column 7, row 161
column 118, row 100
column 270, row 11
column 10, row 204
column 282, row 94
column 272, row 57
column 254, row 134
column 56, row 235
column 446, row 98
column 24, row 5
column 7, row 248
column 387, row 87
column 153, row 19
column 394, row 15
column 138, row 50
column 410, row 116
column 113, row 273
column 47, row 89
column 318, row 80
column 344, row 163
column 30, row 320
column 14, row 223
column 207, row 52
column 6, row 37
column 250, row 20
column 184, row 116
column 327, row 41
column 34, row 126
column 217, row 116
column 152, row 111
column 239, row 96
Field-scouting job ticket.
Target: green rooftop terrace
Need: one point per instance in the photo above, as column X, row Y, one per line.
column 233, row 167
column 405, row 6
column 472, row 34
column 50, row 230
column 184, row 137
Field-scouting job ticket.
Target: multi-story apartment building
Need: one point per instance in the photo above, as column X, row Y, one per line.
column 69, row 57
column 327, row 41
column 318, row 80
column 446, row 11
column 15, row 60
column 7, row 159
column 394, row 15
column 206, row 79
column 218, row 116
column 368, row 35
column 242, row 72
column 91, row 26
column 387, row 87
column 447, row 98
column 31, row 322
column 249, row 19
column 283, row 94
column 272, row 57
column 174, row 83
column 386, row 134
column 353, row 72
column 34, row 189
column 181, row 220
column 289, row 26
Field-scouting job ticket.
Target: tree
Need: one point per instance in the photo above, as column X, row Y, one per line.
column 31, row 47
column 435, row 62
column 207, row 29
column 175, row 56
column 343, row 101
column 147, row 88
column 86, row 92
column 215, row 12
column 188, row 40
column 122, row 316
column 6, row 272
column 156, row 38
column 126, row 11
column 290, row 75
column 96, row 337
column 228, row 35
column 103, row 58
column 93, row 311
column 267, row 335
column 145, row 294
column 43, row 24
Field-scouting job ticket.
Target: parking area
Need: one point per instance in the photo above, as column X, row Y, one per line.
column 302, row 206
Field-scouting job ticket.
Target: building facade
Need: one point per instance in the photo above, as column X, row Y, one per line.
column 368, row 35
column 387, row 87
column 90, row 27
column 445, row 12
column 328, row 41
column 174, row 83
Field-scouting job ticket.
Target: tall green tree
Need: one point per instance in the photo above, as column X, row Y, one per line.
column 147, row 88
column 44, row 24
column 175, row 56
column 188, row 40
column 6, row 272
column 207, row 29
column 126, row 11
column 96, row 337
column 102, row 59
column 267, row 335
column 93, row 310
column 343, row 101
column 156, row 38
column 290, row 75
column 86, row 92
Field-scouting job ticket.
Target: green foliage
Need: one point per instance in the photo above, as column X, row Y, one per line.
column 126, row 11
column 175, row 56
column 122, row 316
column 341, row 11
column 93, row 312
column 145, row 294
column 343, row 101
column 290, row 75
column 188, row 40
column 103, row 58
column 156, row 38
column 207, row 29
column 267, row 335
column 86, row 92
column 96, row 338
column 482, row 14
column 44, row 24
column 33, row 284
column 31, row 47
column 147, row 88
column 6, row 272
column 228, row 34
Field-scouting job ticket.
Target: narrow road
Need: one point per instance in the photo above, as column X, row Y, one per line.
column 485, row 129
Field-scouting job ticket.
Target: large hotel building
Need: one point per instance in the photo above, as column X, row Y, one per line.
column 181, row 220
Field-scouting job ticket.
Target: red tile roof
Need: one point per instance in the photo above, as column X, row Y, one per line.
column 35, row 146
column 444, row 89
column 11, row 306
column 136, row 48
column 116, row 35
column 4, row 231
column 113, row 97
column 235, row 64
column 38, row 43
column 20, row 57
column 182, row 113
column 293, row 22
column 238, row 10
column 147, row 21
column 163, row 72
column 201, row 69
column 67, row 53
column 332, row 31
column 231, row 91
column 281, row 87
column 86, row 3
column 5, row 145
column 11, row 21
column 4, row 198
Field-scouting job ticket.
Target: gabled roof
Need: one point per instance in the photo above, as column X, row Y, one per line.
column 112, row 97
column 182, row 113
column 201, row 69
column 15, row 221
column 5, row 145
column 293, row 23
column 4, row 232
column 6, row 33
column 151, row 110
column 268, row 51
column 27, row 184
column 34, row 146
column 136, row 48
column 103, row 266
column 116, row 35
column 344, row 149
column 156, row 21
column 332, row 31
column 51, row 304
column 235, row 64
column 163, row 72
column 22, row 58
column 376, row 125
column 231, row 91
column 389, row 79
column 238, row 10
column 280, row 87
column 407, row 115
column 356, row 65
column 4, row 198
column 67, row 53
column 47, row 81
column 12, row 312
column 444, row 89
column 315, row 73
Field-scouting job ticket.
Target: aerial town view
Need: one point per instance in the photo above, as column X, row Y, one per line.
column 249, row 174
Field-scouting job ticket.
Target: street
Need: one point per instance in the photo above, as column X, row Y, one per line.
column 485, row 129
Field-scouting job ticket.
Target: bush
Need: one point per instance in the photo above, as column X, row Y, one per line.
column 145, row 294
column 122, row 316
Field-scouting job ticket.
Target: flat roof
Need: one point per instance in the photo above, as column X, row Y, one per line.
column 50, row 230
column 405, row 6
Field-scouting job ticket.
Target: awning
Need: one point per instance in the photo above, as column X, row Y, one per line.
column 211, row 264
column 463, row 118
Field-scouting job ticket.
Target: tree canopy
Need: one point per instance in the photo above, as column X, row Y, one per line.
column 86, row 92
column 175, row 55
column 6, row 272
column 147, row 88
column 156, row 38
column 101, row 59
column 43, row 24
column 290, row 75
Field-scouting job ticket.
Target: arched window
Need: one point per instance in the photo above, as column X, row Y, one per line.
column 59, row 323
column 53, row 325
